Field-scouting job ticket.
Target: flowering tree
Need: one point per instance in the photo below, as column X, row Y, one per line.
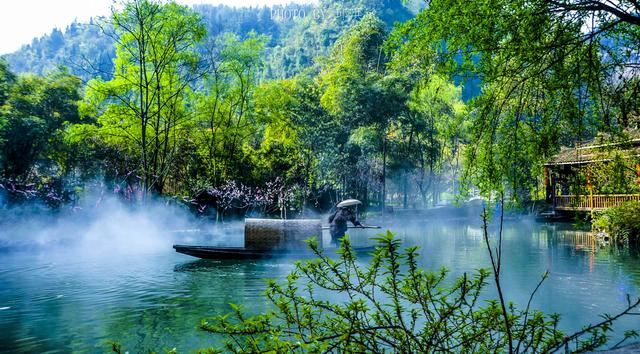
column 265, row 200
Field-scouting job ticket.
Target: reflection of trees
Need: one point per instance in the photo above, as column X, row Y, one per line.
column 580, row 280
column 574, row 243
column 626, row 259
column 167, row 315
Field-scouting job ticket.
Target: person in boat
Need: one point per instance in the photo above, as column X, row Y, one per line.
column 338, row 222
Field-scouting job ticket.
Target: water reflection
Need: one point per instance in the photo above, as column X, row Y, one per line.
column 63, row 301
column 199, row 289
column 207, row 265
column 585, row 280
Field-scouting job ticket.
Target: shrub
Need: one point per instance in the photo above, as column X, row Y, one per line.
column 622, row 222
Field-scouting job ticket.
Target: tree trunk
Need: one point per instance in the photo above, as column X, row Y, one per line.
column 384, row 171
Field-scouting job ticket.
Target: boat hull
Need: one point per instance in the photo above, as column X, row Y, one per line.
column 210, row 252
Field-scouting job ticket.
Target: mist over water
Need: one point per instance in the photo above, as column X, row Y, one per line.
column 106, row 224
column 111, row 225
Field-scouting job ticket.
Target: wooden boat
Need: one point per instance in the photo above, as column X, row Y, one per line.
column 267, row 238
column 211, row 252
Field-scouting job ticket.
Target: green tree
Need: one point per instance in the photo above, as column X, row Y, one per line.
column 363, row 100
column 143, row 105
column 431, row 138
column 548, row 70
column 36, row 112
column 281, row 153
column 305, row 129
column 225, row 119
column 7, row 80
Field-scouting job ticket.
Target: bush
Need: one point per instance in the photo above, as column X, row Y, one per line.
column 622, row 222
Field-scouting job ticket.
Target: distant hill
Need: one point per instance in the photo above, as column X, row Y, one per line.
column 73, row 47
column 299, row 33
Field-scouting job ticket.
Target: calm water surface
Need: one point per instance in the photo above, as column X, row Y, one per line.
column 64, row 300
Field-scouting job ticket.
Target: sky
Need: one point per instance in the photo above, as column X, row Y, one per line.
column 23, row 20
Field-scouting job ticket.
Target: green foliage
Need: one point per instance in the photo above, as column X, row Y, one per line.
column 390, row 304
column 143, row 106
column 622, row 222
column 281, row 153
column 225, row 120
column 184, row 105
column 35, row 114
column 351, row 77
column 543, row 66
column 177, row 114
column 617, row 176
column 367, row 103
column 304, row 42
column 81, row 47
column 431, row 136
column 7, row 79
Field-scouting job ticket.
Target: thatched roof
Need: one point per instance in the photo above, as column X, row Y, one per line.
column 600, row 149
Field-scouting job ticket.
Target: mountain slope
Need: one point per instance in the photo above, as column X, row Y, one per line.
column 299, row 33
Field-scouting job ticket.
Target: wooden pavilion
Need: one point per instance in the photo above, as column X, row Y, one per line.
column 560, row 170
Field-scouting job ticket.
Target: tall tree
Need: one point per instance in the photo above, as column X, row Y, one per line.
column 431, row 138
column 360, row 95
column 144, row 104
column 225, row 105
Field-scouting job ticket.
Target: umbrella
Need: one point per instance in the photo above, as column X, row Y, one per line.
column 348, row 203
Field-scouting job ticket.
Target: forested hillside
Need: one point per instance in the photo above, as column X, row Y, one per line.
column 298, row 33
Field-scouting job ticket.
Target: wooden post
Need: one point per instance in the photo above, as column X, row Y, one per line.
column 590, row 186
column 591, row 199
column 547, row 185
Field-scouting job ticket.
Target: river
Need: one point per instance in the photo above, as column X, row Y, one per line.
column 63, row 299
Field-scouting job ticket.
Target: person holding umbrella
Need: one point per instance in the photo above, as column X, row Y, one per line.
column 338, row 220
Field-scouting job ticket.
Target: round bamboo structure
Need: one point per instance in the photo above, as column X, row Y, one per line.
column 278, row 234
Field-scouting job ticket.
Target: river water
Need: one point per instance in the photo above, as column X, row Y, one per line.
column 78, row 299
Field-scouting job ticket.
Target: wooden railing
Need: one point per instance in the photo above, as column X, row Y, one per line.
column 595, row 202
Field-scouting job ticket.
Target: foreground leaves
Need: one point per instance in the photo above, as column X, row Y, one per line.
column 391, row 305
